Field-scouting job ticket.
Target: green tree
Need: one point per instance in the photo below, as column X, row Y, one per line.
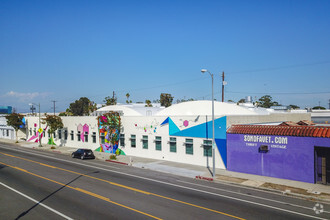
column 230, row 101
column 127, row 98
column 92, row 107
column 110, row 100
column 319, row 107
column 166, row 99
column 266, row 101
column 184, row 100
column 148, row 103
column 16, row 121
column 54, row 123
column 80, row 107
column 241, row 101
column 294, row 106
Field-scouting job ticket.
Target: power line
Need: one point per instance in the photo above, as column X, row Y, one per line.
column 140, row 89
column 280, row 93
column 279, row 68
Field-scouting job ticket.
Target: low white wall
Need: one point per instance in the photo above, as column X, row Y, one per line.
column 151, row 127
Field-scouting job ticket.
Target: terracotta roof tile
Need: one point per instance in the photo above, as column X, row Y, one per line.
column 301, row 131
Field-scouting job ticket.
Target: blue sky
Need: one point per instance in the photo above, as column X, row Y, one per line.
column 64, row 50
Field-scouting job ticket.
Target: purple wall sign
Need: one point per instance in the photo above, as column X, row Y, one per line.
column 288, row 157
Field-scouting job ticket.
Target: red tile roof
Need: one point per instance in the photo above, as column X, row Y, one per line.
column 301, row 131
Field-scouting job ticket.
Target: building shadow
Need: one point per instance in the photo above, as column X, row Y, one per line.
column 207, row 165
column 50, row 195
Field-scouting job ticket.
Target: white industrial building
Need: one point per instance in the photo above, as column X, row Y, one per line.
column 179, row 133
column 6, row 132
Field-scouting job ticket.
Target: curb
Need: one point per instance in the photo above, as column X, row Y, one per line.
column 204, row 178
column 291, row 194
column 113, row 161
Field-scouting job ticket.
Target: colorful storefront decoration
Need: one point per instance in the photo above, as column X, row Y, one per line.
column 109, row 125
column 148, row 128
column 83, row 130
column 40, row 132
column 203, row 130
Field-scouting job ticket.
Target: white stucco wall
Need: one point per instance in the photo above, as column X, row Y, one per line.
column 70, row 124
column 6, row 132
column 151, row 126
column 136, row 125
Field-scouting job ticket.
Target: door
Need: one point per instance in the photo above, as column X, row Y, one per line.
column 322, row 165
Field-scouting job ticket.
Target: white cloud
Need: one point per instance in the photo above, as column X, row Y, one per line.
column 25, row 96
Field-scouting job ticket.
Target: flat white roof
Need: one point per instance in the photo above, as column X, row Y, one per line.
column 204, row 107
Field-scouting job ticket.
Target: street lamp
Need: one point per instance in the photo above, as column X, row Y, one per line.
column 213, row 142
column 39, row 124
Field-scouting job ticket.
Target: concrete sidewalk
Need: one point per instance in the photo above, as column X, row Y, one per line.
column 289, row 187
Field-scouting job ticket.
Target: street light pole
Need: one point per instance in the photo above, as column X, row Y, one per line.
column 39, row 123
column 213, row 141
column 39, row 127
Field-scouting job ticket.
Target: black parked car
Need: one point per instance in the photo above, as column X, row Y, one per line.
column 83, row 154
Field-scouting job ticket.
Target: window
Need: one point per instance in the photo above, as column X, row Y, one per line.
column 122, row 140
column 44, row 133
column 72, row 135
column 158, row 143
column 145, row 142
column 59, row 134
column 78, row 136
column 30, row 131
column 133, row 140
column 65, row 134
column 189, row 146
column 172, row 144
column 207, row 145
column 7, row 132
column 54, row 135
column 35, row 132
column 48, row 134
column 94, row 137
column 102, row 138
column 86, row 137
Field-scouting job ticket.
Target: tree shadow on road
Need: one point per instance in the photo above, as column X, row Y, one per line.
column 27, row 211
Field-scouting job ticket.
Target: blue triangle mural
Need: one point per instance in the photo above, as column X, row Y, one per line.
column 204, row 131
column 222, row 147
column 172, row 126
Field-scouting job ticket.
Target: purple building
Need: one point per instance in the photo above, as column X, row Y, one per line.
column 300, row 153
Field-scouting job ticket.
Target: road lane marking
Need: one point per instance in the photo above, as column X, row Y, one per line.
column 82, row 190
column 37, row 202
column 252, row 196
column 179, row 186
column 116, row 184
column 127, row 187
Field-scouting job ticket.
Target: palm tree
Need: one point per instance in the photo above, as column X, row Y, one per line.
column 148, row 103
column 127, row 96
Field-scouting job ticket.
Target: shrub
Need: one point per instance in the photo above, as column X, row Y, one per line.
column 113, row 157
column 52, row 147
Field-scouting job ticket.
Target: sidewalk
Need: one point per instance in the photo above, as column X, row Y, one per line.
column 289, row 187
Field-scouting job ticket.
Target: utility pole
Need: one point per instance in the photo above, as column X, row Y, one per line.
column 54, row 106
column 32, row 108
column 223, row 86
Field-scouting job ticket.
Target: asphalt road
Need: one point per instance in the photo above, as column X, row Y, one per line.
column 36, row 184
